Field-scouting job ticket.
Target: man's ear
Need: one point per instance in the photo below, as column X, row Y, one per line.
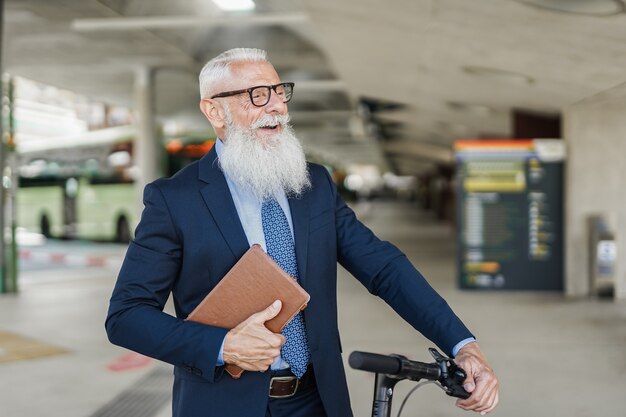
column 214, row 112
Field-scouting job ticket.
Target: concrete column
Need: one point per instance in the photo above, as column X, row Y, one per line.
column 3, row 191
column 147, row 147
column 595, row 131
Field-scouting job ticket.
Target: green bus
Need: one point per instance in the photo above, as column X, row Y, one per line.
column 85, row 189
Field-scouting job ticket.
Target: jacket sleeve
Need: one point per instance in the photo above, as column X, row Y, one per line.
column 386, row 272
column 136, row 319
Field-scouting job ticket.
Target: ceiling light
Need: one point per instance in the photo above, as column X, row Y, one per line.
column 584, row 7
column 235, row 5
column 498, row 73
column 126, row 23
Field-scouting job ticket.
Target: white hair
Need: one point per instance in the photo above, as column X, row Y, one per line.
column 264, row 166
column 218, row 68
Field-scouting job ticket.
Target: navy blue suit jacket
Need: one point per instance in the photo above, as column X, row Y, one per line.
column 190, row 236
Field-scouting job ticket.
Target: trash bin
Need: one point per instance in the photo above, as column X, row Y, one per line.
column 603, row 257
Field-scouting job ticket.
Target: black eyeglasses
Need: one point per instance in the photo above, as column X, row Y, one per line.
column 260, row 95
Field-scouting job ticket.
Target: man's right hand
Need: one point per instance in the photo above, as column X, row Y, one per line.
column 250, row 345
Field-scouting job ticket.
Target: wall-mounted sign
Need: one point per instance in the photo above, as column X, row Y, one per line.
column 509, row 212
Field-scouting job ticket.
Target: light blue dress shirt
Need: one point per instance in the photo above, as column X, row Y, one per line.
column 249, row 211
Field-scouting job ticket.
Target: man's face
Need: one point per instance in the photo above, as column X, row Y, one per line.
column 244, row 113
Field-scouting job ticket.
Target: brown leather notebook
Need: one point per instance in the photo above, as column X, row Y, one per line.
column 250, row 286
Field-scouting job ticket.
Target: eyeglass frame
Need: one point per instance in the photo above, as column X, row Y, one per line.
column 249, row 91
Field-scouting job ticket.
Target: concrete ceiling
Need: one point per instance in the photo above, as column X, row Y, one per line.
column 450, row 68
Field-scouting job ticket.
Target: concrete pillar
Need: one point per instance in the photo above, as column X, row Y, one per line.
column 3, row 190
column 147, row 147
column 595, row 131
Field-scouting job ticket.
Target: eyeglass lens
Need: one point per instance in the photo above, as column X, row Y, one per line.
column 260, row 96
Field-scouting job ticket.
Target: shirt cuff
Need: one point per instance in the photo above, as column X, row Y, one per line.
column 458, row 346
column 220, row 355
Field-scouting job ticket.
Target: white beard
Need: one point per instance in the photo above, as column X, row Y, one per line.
column 264, row 166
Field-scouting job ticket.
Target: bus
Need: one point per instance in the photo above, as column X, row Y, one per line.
column 83, row 187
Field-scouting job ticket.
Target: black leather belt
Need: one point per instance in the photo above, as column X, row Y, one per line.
column 284, row 384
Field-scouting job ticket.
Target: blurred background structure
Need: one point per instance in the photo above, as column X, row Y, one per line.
column 488, row 134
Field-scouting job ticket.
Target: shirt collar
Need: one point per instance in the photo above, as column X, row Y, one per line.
column 219, row 145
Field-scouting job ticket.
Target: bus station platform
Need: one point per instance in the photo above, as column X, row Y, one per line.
column 555, row 356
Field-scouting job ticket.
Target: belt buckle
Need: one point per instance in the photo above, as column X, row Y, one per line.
column 282, row 380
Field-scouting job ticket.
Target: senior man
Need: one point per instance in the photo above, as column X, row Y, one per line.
column 255, row 186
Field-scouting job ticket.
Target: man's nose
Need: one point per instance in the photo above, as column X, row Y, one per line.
column 276, row 104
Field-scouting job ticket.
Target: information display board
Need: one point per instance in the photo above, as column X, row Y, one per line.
column 510, row 214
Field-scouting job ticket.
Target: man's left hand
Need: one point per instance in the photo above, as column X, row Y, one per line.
column 481, row 381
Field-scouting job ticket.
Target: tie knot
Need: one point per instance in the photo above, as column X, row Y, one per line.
column 270, row 204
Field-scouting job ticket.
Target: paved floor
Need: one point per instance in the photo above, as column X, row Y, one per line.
column 554, row 356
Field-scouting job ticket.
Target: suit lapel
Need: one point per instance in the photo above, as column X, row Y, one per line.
column 300, row 218
column 217, row 198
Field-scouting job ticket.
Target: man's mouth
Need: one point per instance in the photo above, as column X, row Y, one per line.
column 269, row 127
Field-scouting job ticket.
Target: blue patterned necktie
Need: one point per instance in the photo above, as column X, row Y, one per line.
column 280, row 248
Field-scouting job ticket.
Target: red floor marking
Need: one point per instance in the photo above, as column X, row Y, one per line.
column 95, row 261
column 57, row 258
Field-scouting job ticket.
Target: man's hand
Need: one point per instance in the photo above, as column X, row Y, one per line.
column 250, row 345
column 481, row 381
